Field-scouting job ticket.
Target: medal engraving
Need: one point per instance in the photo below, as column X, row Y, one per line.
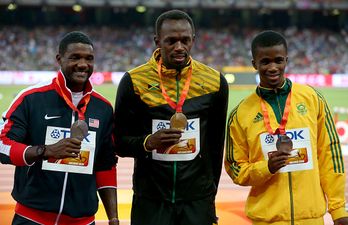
column 284, row 144
column 79, row 130
column 178, row 121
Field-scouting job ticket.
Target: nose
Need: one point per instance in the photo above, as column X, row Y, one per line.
column 273, row 67
column 82, row 63
column 179, row 46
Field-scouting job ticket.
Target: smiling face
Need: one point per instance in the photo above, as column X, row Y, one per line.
column 77, row 64
column 175, row 41
column 270, row 62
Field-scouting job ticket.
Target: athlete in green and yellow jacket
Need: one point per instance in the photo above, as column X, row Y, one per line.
column 291, row 188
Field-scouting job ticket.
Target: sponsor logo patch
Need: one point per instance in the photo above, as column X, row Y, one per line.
column 301, row 108
column 258, row 117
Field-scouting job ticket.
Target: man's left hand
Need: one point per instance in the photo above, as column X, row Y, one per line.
column 341, row 221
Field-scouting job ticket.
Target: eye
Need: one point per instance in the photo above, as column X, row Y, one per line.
column 73, row 57
column 280, row 60
column 90, row 58
column 264, row 61
column 169, row 41
column 186, row 40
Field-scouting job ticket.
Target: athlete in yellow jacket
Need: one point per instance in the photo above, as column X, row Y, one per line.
column 287, row 187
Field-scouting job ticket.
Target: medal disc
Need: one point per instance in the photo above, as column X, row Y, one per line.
column 79, row 130
column 179, row 121
column 284, row 143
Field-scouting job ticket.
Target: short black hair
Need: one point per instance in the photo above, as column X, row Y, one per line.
column 174, row 14
column 267, row 38
column 73, row 37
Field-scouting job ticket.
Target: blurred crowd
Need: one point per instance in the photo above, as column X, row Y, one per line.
column 310, row 51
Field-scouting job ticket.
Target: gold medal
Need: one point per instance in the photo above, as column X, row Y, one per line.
column 284, row 143
column 178, row 121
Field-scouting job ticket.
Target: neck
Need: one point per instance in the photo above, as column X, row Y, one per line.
column 76, row 88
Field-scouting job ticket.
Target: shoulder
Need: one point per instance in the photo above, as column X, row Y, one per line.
column 29, row 93
column 100, row 97
column 305, row 91
column 303, row 87
column 246, row 106
column 139, row 71
column 204, row 69
column 207, row 77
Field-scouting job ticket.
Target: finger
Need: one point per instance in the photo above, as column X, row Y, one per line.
column 171, row 137
column 74, row 151
column 172, row 131
column 75, row 141
column 74, row 145
column 73, row 155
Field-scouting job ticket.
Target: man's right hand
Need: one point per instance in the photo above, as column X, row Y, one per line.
column 277, row 160
column 162, row 139
column 67, row 147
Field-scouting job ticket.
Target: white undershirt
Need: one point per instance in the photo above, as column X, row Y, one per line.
column 76, row 97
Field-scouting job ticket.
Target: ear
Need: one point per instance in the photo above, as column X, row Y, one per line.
column 156, row 40
column 193, row 38
column 254, row 64
column 58, row 58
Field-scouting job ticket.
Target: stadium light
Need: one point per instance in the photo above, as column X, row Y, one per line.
column 77, row 7
column 335, row 12
column 140, row 8
column 230, row 78
column 12, row 6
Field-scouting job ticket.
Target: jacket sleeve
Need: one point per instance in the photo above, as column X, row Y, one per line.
column 217, row 127
column 13, row 133
column 106, row 158
column 331, row 165
column 237, row 162
column 127, row 118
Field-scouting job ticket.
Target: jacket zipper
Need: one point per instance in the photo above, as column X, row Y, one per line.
column 174, row 163
column 74, row 114
column 291, row 199
column 289, row 173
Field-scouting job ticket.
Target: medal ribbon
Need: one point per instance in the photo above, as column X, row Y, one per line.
column 281, row 128
column 178, row 106
column 84, row 100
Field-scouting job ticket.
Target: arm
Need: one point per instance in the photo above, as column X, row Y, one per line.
column 128, row 125
column 217, row 126
column 106, row 183
column 106, row 177
column 237, row 162
column 109, row 199
column 331, row 167
column 13, row 134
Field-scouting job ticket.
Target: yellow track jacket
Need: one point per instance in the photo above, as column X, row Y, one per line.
column 287, row 196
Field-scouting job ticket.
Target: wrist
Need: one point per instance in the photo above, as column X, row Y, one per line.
column 144, row 143
column 114, row 219
column 40, row 151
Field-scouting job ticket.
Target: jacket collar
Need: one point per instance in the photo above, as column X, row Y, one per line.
column 165, row 71
column 62, row 88
column 268, row 93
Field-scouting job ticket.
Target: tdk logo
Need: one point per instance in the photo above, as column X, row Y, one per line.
column 295, row 135
column 56, row 133
column 163, row 125
column 269, row 139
